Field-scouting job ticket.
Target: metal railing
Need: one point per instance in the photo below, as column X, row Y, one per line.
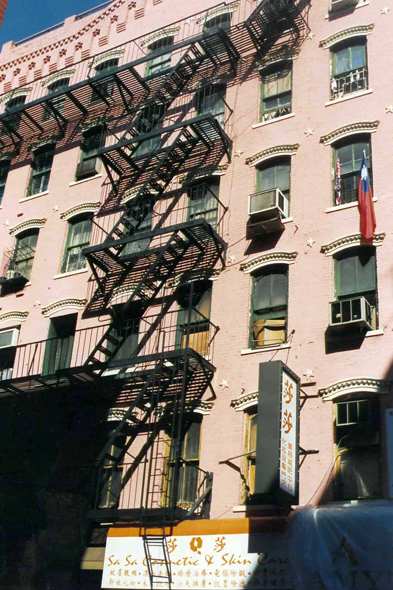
column 152, row 334
column 348, row 83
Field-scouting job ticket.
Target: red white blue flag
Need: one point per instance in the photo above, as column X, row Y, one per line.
column 365, row 202
column 337, row 182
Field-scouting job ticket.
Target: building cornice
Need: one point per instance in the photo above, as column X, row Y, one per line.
column 273, row 152
column 13, row 316
column 267, row 259
column 351, row 129
column 114, row 53
column 58, row 76
column 356, row 385
column 350, row 241
column 28, row 224
column 62, row 304
column 244, row 401
column 357, row 31
column 167, row 32
column 78, row 209
column 232, row 7
column 16, row 92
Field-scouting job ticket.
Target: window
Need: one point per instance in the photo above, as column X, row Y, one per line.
column 4, row 169
column 349, row 68
column 184, row 491
column 203, row 201
column 78, row 237
column 193, row 317
column 22, row 260
column 59, row 345
column 269, row 306
column 93, row 140
column 274, row 175
column 355, row 276
column 13, row 121
column 250, row 446
column 357, row 439
column 106, row 85
column 40, row 170
column 57, row 103
column 221, row 21
column 276, row 94
column 350, row 155
column 160, row 63
column 8, row 342
column 147, row 121
column 141, row 219
column 211, row 101
column 110, row 475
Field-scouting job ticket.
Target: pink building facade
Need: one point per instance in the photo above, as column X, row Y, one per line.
column 179, row 214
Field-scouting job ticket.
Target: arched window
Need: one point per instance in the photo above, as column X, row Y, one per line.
column 161, row 62
column 349, row 152
column 57, row 103
column 269, row 306
column 348, row 67
column 104, row 88
column 41, row 167
column 24, row 252
column 78, row 237
column 221, row 21
column 276, row 91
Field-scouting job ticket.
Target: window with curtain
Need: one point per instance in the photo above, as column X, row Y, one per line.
column 211, row 101
column 203, row 200
column 78, row 237
column 104, row 88
column 193, row 317
column 4, row 169
column 349, row 68
column 357, row 440
column 276, row 93
column 349, row 152
column 41, row 167
column 23, row 258
column 57, row 103
column 269, row 306
column 159, row 63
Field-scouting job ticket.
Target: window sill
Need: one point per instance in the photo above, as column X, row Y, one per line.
column 71, row 273
column 344, row 12
column 346, row 206
column 263, row 123
column 34, row 196
column 372, row 333
column 85, row 179
column 287, row 220
column 348, row 97
column 265, row 348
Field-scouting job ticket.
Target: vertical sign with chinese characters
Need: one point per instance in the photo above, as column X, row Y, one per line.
column 289, row 432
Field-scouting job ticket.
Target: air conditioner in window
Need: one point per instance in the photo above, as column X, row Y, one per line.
column 354, row 312
column 13, row 274
column 338, row 5
column 9, row 338
column 88, row 168
column 266, row 209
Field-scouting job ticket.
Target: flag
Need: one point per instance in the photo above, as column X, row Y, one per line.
column 337, row 182
column 365, row 202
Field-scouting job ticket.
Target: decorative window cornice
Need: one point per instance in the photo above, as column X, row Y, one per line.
column 113, row 54
column 205, row 173
column 194, row 275
column 168, row 32
column 126, row 290
column 17, row 92
column 277, row 57
column 7, row 155
column 96, row 122
column 232, row 7
column 78, row 209
column 28, row 224
column 350, row 241
column 244, row 401
column 12, row 316
column 355, row 385
column 62, row 304
column 58, row 76
column 199, row 407
column 347, row 130
column 48, row 140
column 273, row 152
column 358, row 31
column 267, row 259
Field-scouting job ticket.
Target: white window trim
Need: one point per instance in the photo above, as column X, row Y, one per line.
column 75, row 182
column 71, row 273
column 31, row 197
column 263, row 123
column 349, row 97
column 346, row 206
column 282, row 346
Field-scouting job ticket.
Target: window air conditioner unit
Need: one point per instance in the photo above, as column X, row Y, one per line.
column 9, row 338
column 339, row 5
column 267, row 204
column 13, row 274
column 88, row 168
column 354, row 312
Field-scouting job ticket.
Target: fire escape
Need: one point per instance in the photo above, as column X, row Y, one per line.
column 145, row 249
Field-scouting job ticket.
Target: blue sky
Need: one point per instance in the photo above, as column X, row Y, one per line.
column 26, row 17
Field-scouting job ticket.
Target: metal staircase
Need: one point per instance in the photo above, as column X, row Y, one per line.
column 157, row 557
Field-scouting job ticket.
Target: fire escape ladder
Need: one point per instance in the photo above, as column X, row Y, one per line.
column 157, row 557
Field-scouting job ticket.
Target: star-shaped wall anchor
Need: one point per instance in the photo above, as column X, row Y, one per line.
column 7, row 222
column 224, row 384
column 310, row 242
column 238, row 153
column 309, row 132
column 309, row 374
column 310, row 36
column 385, row 10
column 56, row 208
column 231, row 259
column 37, row 303
column 389, row 109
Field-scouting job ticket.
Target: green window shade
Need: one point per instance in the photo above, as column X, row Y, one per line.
column 355, row 274
column 274, row 176
column 270, row 291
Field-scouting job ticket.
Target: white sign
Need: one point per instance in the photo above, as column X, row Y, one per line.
column 217, row 561
column 288, row 434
